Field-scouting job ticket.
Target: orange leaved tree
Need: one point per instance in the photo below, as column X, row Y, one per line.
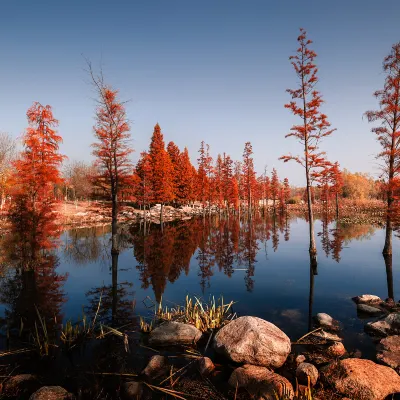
column 249, row 175
column 314, row 125
column 204, row 173
column 388, row 134
column 112, row 148
column 36, row 173
column 161, row 171
column 274, row 186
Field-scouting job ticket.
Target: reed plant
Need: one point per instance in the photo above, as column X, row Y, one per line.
column 203, row 315
column 42, row 341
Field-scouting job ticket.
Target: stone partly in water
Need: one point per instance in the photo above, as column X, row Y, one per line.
column 336, row 350
column 52, row 393
column 156, row 367
column 261, row 383
column 21, row 386
column 326, row 321
column 367, row 299
column 252, row 340
column 361, row 379
column 385, row 327
column 332, row 337
column 369, row 310
column 389, row 352
column 174, row 334
column 306, row 371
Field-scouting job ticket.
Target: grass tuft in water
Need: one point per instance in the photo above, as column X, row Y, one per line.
column 205, row 316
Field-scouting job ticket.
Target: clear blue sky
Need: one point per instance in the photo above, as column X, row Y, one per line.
column 205, row 70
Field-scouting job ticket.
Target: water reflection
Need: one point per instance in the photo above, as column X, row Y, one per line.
column 30, row 282
column 229, row 244
column 197, row 251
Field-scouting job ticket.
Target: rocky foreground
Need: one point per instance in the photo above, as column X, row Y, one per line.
column 261, row 361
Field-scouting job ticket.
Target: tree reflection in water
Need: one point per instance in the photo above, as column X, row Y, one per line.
column 214, row 244
column 30, row 281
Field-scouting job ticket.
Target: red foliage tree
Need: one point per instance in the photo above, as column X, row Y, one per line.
column 161, row 178
column 234, row 193
column 388, row 133
column 274, row 186
column 204, row 173
column 142, row 179
column 186, row 184
column 286, row 189
column 226, row 180
column 36, row 173
column 217, row 182
column 112, row 148
column 174, row 155
column 249, row 175
column 314, row 126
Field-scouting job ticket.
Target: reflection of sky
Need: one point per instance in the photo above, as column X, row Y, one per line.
column 212, row 70
column 281, row 280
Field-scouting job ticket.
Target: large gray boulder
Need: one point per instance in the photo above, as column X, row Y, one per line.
column 361, row 379
column 252, row 340
column 174, row 333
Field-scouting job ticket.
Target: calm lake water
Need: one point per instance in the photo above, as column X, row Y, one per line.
column 263, row 266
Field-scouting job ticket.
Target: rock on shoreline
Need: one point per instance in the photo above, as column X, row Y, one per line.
column 252, row 340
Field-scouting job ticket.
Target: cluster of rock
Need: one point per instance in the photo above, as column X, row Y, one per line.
column 384, row 328
column 264, row 364
column 261, row 351
column 169, row 213
column 27, row 386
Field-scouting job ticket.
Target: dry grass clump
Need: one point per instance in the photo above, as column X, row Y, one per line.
column 203, row 315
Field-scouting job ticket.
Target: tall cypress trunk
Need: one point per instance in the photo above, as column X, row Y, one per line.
column 389, row 274
column 114, row 224
column 114, row 288
column 312, row 249
column 313, row 268
column 387, row 249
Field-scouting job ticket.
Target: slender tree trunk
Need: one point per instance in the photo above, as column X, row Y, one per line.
column 114, row 224
column 389, row 274
column 313, row 248
column 387, row 249
column 313, row 268
column 114, row 288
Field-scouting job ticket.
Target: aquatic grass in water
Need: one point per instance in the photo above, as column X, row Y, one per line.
column 71, row 334
column 203, row 315
column 41, row 338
